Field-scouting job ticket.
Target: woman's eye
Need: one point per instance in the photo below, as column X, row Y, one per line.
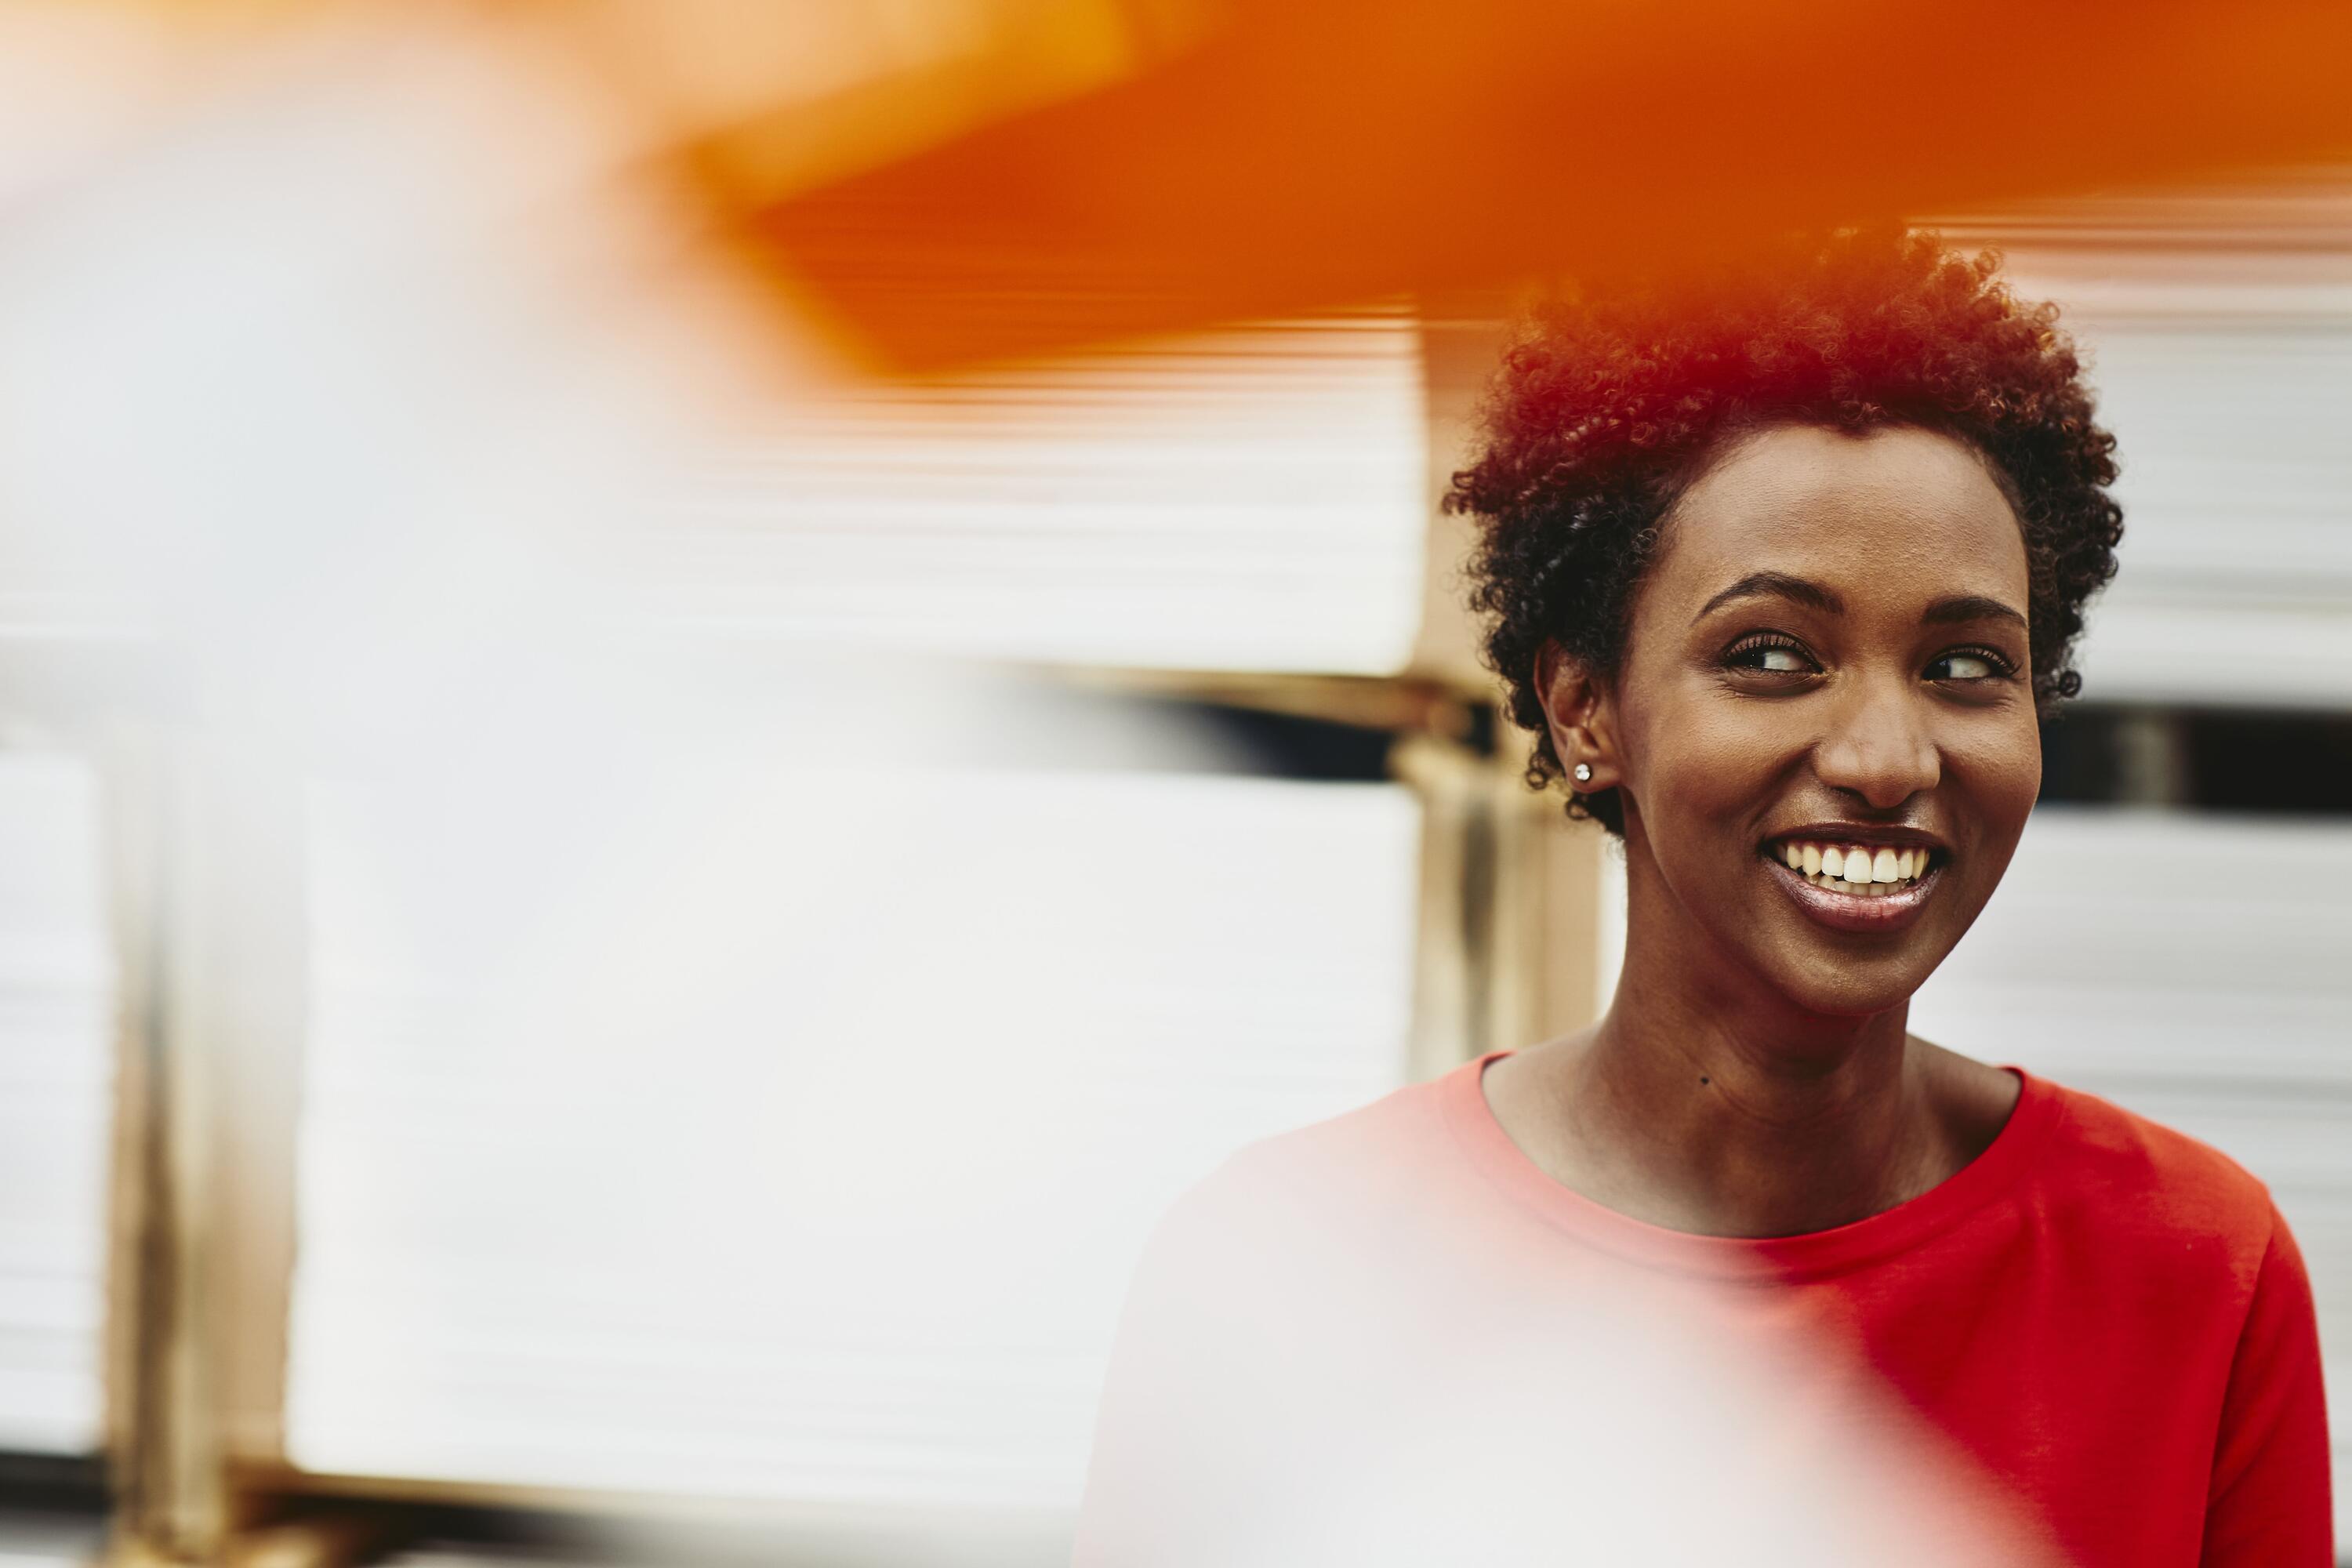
column 1773, row 658
column 1965, row 666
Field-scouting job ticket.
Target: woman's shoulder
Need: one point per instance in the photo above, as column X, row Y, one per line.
column 2130, row 1180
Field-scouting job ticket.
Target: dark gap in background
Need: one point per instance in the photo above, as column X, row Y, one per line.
column 1284, row 746
column 53, row 1483
column 2279, row 763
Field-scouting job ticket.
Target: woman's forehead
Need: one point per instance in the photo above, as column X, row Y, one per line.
column 1894, row 501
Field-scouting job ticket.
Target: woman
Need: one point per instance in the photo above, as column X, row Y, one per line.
column 1780, row 571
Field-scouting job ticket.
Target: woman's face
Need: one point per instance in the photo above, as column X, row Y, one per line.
column 1828, row 658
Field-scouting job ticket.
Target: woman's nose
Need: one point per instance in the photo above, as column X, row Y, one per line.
column 1878, row 746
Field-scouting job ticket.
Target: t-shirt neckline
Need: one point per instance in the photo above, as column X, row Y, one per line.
column 1843, row 1248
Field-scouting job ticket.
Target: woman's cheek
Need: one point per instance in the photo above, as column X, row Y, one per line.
column 1700, row 778
column 2001, row 773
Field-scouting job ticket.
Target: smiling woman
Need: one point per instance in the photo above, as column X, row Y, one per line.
column 1781, row 570
column 1826, row 648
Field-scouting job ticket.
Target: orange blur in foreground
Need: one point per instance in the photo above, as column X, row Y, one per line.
column 1304, row 155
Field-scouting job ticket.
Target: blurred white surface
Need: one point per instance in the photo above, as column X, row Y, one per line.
column 2218, row 329
column 1252, row 500
column 2236, row 585
column 2198, row 970
column 790, row 1133
column 57, row 1079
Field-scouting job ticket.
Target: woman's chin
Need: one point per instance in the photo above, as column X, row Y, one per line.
column 1855, row 998
column 1844, row 984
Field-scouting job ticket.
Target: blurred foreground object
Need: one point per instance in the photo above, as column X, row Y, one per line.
column 951, row 181
column 1306, row 154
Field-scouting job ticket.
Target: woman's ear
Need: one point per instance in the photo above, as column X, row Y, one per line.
column 1583, row 719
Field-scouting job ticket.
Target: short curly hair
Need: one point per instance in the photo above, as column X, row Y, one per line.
column 1609, row 403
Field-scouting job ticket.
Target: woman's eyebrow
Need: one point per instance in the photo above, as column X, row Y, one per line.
column 1776, row 585
column 1969, row 607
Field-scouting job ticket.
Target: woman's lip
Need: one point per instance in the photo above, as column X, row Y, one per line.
column 1856, row 911
column 1888, row 837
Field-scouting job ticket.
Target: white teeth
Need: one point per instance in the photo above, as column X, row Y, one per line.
column 1854, row 867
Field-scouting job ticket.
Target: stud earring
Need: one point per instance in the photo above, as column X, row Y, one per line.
column 1583, row 773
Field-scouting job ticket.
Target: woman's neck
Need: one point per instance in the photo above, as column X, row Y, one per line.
column 1705, row 1102
column 1715, row 1126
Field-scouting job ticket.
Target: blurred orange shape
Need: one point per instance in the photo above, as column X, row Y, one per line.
column 1314, row 153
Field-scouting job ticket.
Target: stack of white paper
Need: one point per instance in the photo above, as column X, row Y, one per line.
column 790, row 1133
column 56, row 1054
column 1257, row 500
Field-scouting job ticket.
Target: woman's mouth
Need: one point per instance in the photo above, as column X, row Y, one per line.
column 1854, row 884
column 1865, row 870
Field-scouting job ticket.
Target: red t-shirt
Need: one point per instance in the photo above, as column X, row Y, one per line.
column 1390, row 1336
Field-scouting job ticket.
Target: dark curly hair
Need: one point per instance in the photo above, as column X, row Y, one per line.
column 1609, row 404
